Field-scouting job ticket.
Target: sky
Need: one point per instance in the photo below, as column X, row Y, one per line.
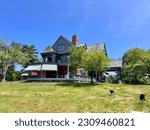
column 120, row 24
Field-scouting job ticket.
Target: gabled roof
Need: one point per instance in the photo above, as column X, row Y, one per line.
column 61, row 37
column 49, row 49
column 97, row 47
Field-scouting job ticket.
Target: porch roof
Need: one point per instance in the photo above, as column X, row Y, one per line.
column 33, row 67
column 41, row 67
column 115, row 63
column 47, row 67
column 24, row 74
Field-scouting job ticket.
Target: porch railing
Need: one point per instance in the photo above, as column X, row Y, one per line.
column 84, row 78
column 76, row 78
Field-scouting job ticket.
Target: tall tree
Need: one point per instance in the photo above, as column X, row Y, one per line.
column 31, row 53
column 10, row 54
column 135, row 66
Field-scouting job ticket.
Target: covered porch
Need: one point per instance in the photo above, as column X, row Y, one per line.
column 46, row 70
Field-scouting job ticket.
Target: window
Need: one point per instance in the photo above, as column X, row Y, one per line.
column 61, row 48
column 58, row 59
column 48, row 60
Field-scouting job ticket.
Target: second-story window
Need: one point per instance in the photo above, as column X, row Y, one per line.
column 48, row 60
column 61, row 48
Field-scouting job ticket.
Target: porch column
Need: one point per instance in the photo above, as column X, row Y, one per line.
column 68, row 71
column 57, row 72
column 68, row 60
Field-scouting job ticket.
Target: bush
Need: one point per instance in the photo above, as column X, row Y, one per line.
column 13, row 76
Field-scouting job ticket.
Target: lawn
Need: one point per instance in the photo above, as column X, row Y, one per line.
column 72, row 97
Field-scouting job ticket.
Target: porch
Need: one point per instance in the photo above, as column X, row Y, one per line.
column 76, row 78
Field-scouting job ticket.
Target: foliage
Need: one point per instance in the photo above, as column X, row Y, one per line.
column 19, row 97
column 135, row 66
column 76, row 57
column 31, row 53
column 9, row 55
column 13, row 76
column 91, row 61
column 95, row 62
column 148, row 60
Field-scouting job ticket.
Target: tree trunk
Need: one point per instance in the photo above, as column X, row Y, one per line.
column 4, row 72
column 4, row 78
column 91, row 75
column 91, row 78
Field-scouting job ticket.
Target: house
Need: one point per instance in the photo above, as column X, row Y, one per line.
column 55, row 64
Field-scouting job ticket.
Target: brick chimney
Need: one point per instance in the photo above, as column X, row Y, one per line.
column 75, row 39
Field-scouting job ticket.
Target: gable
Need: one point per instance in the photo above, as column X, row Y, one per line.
column 48, row 49
column 98, row 47
column 62, row 45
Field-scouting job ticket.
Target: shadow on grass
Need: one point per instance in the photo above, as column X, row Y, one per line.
column 68, row 84
column 75, row 84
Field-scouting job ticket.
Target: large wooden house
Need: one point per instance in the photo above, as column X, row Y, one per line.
column 55, row 64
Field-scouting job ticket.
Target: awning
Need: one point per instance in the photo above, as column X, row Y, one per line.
column 24, row 74
column 47, row 67
column 33, row 68
column 41, row 67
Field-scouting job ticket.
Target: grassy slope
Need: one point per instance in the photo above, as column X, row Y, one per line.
column 71, row 97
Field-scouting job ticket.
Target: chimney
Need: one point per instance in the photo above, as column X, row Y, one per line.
column 75, row 39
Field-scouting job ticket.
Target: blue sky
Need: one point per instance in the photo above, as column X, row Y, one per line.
column 120, row 24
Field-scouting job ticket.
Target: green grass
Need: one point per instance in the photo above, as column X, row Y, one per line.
column 72, row 97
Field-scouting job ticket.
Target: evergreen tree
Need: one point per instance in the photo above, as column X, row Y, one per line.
column 31, row 52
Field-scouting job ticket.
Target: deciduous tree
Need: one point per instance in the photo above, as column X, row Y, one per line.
column 10, row 54
column 91, row 61
column 135, row 66
column 95, row 62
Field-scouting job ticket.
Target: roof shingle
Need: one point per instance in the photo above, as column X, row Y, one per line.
column 48, row 49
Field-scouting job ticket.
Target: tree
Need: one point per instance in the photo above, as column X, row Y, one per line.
column 148, row 60
column 31, row 52
column 95, row 62
column 76, row 58
column 91, row 61
column 10, row 54
column 135, row 66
